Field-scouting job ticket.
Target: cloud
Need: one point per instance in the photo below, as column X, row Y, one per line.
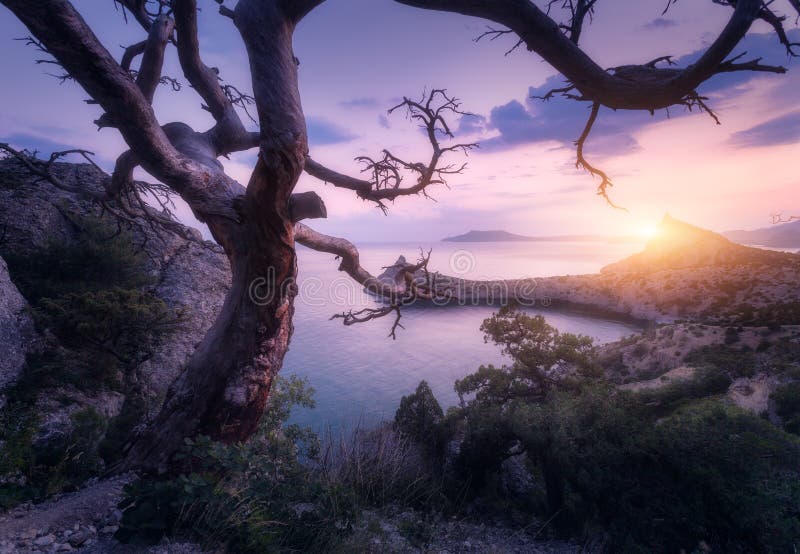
column 660, row 23
column 322, row 132
column 383, row 121
column 561, row 120
column 44, row 147
column 471, row 124
column 360, row 103
column 781, row 130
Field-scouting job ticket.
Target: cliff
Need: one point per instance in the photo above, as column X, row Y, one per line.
column 189, row 276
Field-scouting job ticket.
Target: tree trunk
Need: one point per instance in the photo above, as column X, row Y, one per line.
column 224, row 390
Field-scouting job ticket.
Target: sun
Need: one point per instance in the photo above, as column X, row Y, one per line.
column 648, row 231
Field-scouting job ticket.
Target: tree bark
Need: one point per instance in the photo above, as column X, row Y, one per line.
column 224, row 390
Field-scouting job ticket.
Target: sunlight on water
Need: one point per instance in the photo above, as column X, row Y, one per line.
column 360, row 373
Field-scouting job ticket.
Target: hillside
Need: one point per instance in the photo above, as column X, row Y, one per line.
column 684, row 272
column 785, row 235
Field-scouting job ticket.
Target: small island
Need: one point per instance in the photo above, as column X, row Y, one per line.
column 505, row 236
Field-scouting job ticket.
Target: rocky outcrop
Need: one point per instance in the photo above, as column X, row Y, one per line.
column 190, row 275
column 17, row 333
column 684, row 273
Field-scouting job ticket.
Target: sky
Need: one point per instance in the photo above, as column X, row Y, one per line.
column 359, row 57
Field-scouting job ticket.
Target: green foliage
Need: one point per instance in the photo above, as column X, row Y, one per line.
column 109, row 330
column 34, row 471
column 251, row 497
column 709, row 472
column 539, row 352
column 88, row 293
column 101, row 258
column 772, row 316
column 661, row 470
column 735, row 361
column 787, row 406
column 707, row 381
column 420, row 417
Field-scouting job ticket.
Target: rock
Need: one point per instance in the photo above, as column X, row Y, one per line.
column 17, row 332
column 189, row 275
column 515, row 479
column 45, row 540
column 78, row 537
column 64, row 548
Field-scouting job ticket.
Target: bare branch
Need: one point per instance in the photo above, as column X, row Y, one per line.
column 649, row 91
column 605, row 182
column 396, row 295
column 752, row 65
column 388, row 172
column 149, row 75
column 202, row 78
column 493, row 34
column 127, row 205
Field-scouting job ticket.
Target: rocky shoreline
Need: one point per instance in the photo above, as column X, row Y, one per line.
column 684, row 273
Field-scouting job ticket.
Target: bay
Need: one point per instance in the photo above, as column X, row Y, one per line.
column 359, row 374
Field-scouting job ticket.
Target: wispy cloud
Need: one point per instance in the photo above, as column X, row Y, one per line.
column 322, row 132
column 780, row 130
column 660, row 23
column 561, row 120
column 360, row 103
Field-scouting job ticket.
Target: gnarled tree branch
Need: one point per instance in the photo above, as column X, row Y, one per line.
column 389, row 171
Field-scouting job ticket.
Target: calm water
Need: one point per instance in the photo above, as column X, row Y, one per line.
column 361, row 374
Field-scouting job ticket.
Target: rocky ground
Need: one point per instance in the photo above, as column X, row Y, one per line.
column 83, row 521
column 399, row 531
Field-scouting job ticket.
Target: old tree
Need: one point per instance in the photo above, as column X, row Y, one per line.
column 227, row 382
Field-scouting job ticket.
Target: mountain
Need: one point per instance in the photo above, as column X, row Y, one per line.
column 505, row 236
column 679, row 245
column 786, row 235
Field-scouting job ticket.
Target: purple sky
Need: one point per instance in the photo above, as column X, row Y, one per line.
column 359, row 56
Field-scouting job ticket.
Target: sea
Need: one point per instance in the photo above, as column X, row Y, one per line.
column 359, row 373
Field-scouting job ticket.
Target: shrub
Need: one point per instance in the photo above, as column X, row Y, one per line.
column 420, row 417
column 34, row 471
column 89, row 294
column 737, row 362
column 540, row 354
column 787, row 406
column 655, row 471
column 709, row 472
column 251, row 497
column 100, row 258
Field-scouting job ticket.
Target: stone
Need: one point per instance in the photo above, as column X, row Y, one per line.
column 17, row 332
column 78, row 538
column 45, row 540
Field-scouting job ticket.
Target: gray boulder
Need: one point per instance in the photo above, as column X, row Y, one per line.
column 17, row 332
column 190, row 275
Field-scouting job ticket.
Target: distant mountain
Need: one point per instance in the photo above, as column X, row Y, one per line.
column 679, row 245
column 505, row 236
column 786, row 235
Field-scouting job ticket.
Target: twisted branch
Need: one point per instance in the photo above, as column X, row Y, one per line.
column 396, row 295
column 388, row 172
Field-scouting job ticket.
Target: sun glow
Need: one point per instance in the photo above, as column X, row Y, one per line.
column 648, row 231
